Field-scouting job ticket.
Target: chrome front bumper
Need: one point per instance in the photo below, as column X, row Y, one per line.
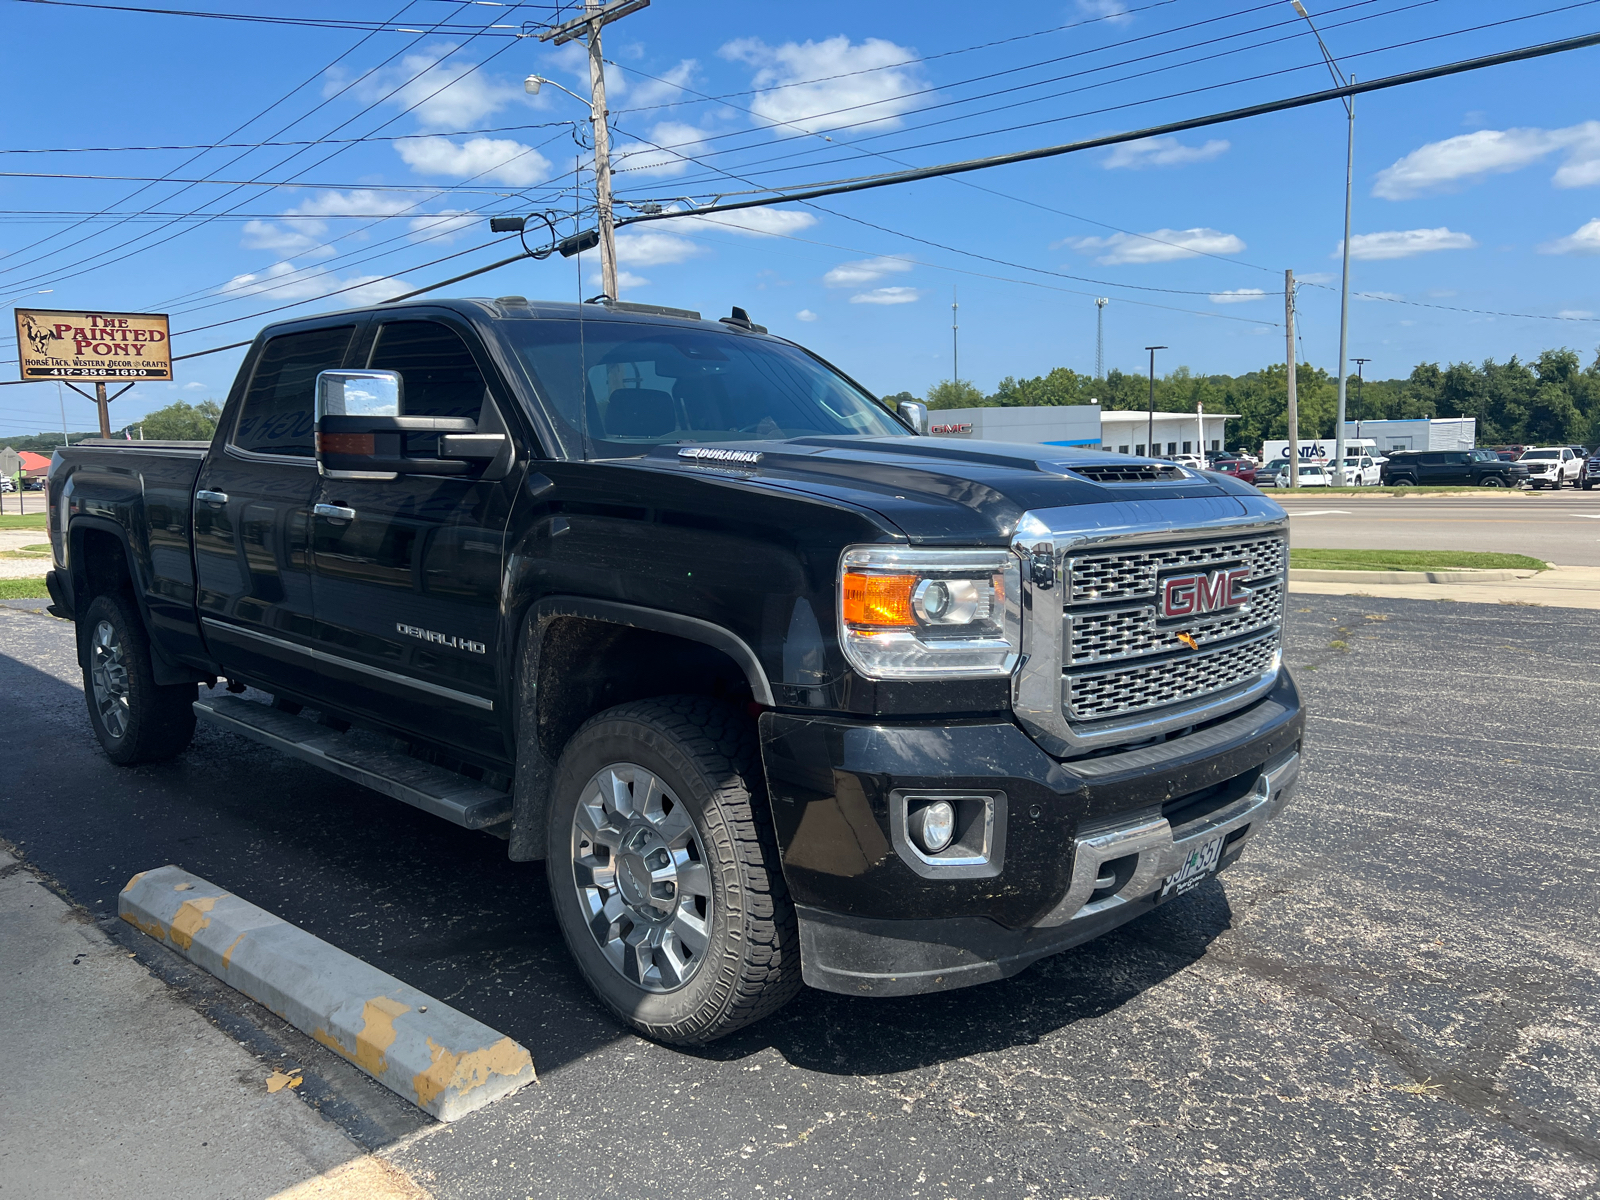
column 1160, row 849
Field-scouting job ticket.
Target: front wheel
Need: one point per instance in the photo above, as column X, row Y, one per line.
column 1491, row 481
column 136, row 719
column 664, row 871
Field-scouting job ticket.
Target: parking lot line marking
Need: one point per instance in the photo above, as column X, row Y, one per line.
column 436, row 1057
column 1586, row 516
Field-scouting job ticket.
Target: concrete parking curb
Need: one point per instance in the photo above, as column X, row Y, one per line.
column 1313, row 575
column 440, row 1059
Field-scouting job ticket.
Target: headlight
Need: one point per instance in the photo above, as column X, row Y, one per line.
column 923, row 614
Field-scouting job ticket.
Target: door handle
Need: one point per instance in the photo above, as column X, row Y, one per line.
column 218, row 498
column 335, row 512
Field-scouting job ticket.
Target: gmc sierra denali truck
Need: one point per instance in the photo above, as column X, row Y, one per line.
column 776, row 687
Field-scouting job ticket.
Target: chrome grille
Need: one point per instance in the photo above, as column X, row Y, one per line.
column 1105, row 636
column 1130, row 574
column 1101, row 695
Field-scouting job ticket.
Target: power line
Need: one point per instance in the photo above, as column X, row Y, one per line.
column 393, row 137
column 305, row 22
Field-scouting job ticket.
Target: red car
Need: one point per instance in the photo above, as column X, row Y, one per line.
column 1238, row 468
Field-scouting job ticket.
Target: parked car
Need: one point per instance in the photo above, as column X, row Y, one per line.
column 6, row 484
column 1193, row 461
column 1553, row 466
column 1266, row 476
column 1451, row 468
column 778, row 688
column 1239, row 468
column 1591, row 469
column 1311, row 475
column 1362, row 471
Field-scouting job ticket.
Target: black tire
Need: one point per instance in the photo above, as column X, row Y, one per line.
column 136, row 720
column 705, row 757
column 1491, row 481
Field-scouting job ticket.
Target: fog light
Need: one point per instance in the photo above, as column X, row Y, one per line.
column 934, row 825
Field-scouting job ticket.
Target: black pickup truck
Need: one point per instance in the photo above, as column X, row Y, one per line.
column 1451, row 468
column 778, row 687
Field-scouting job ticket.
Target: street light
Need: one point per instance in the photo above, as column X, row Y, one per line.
column 1349, row 183
column 20, row 295
column 1150, row 429
column 533, row 83
column 1360, row 391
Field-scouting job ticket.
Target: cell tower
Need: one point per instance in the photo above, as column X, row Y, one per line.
column 1100, row 336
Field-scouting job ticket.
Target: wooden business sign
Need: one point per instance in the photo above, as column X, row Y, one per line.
column 96, row 346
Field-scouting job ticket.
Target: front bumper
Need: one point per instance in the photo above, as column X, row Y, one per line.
column 1082, row 846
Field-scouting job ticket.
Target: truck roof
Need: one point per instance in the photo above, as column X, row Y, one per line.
column 520, row 308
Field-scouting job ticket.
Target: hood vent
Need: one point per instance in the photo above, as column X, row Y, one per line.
column 1131, row 472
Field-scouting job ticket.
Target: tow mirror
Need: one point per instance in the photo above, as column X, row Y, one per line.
column 361, row 431
column 915, row 414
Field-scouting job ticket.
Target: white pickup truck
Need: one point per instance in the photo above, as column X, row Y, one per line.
column 1553, row 466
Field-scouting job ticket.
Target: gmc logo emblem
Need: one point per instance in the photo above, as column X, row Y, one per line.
column 1198, row 594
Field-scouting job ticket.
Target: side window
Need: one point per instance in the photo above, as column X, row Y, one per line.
column 441, row 378
column 1430, row 460
column 276, row 416
column 1460, row 459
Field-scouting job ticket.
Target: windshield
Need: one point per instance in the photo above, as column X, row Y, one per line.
column 647, row 385
column 1485, row 456
column 1532, row 454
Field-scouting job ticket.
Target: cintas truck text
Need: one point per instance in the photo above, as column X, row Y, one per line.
column 777, row 688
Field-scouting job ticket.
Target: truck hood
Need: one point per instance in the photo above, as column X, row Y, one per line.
column 938, row 490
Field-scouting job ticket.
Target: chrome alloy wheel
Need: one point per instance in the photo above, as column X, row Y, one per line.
column 109, row 677
column 641, row 877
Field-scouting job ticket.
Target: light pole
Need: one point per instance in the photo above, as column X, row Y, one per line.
column 1349, row 183
column 955, row 344
column 1100, row 336
column 1150, row 428
column 1360, row 391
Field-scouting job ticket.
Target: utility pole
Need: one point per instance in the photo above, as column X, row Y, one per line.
column 1349, row 185
column 1293, row 453
column 1360, row 391
column 1100, row 336
column 955, row 343
column 1150, row 428
column 595, row 15
column 104, row 406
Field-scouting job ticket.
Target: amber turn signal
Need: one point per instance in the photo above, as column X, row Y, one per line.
column 878, row 600
column 362, row 444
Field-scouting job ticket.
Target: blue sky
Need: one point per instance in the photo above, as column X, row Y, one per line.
column 1480, row 192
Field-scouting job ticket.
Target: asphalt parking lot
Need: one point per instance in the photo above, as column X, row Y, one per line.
column 1394, row 994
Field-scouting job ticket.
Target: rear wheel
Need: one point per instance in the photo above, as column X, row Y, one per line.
column 664, row 871
column 135, row 719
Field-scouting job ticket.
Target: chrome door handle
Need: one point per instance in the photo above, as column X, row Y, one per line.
column 212, row 497
column 335, row 512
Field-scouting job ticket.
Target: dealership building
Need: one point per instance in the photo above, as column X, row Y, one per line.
column 1086, row 425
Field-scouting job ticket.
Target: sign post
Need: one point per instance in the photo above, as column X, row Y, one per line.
column 10, row 464
column 97, row 347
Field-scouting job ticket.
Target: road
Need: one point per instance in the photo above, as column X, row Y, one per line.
column 1395, row 994
column 1562, row 527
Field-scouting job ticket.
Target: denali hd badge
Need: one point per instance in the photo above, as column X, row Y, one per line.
column 1203, row 592
column 708, row 454
column 449, row 640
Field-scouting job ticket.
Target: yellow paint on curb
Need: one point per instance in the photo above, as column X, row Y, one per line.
column 468, row 1069
column 192, row 916
column 151, row 928
column 365, row 1178
column 377, row 1034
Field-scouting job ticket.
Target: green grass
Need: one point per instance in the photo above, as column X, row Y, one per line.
column 37, row 550
column 1411, row 560
column 1394, row 491
column 23, row 589
column 22, row 521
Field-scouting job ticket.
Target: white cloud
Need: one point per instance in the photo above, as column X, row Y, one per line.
column 1396, row 296
column 813, row 87
column 805, row 314
column 464, row 96
column 887, row 295
column 1114, row 11
column 648, row 249
column 674, row 144
column 1575, row 314
column 360, row 202
column 1161, row 152
column 499, row 160
column 664, row 90
column 284, row 282
column 292, row 240
column 627, row 279
column 444, row 226
column 1161, row 245
column 1238, row 296
column 1471, row 157
column 757, row 222
column 1585, row 241
column 1404, row 243
column 869, row 270
column 194, row 387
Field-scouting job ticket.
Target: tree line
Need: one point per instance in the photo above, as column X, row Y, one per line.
column 177, row 422
column 1550, row 400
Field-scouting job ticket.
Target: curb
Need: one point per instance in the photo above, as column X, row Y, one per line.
column 1311, row 575
column 438, row 1058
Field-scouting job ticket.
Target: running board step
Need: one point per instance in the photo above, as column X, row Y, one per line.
column 367, row 758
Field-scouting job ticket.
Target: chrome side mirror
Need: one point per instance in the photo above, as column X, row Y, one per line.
column 359, row 394
column 915, row 414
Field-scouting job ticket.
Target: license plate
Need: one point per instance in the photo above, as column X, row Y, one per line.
column 1197, row 868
